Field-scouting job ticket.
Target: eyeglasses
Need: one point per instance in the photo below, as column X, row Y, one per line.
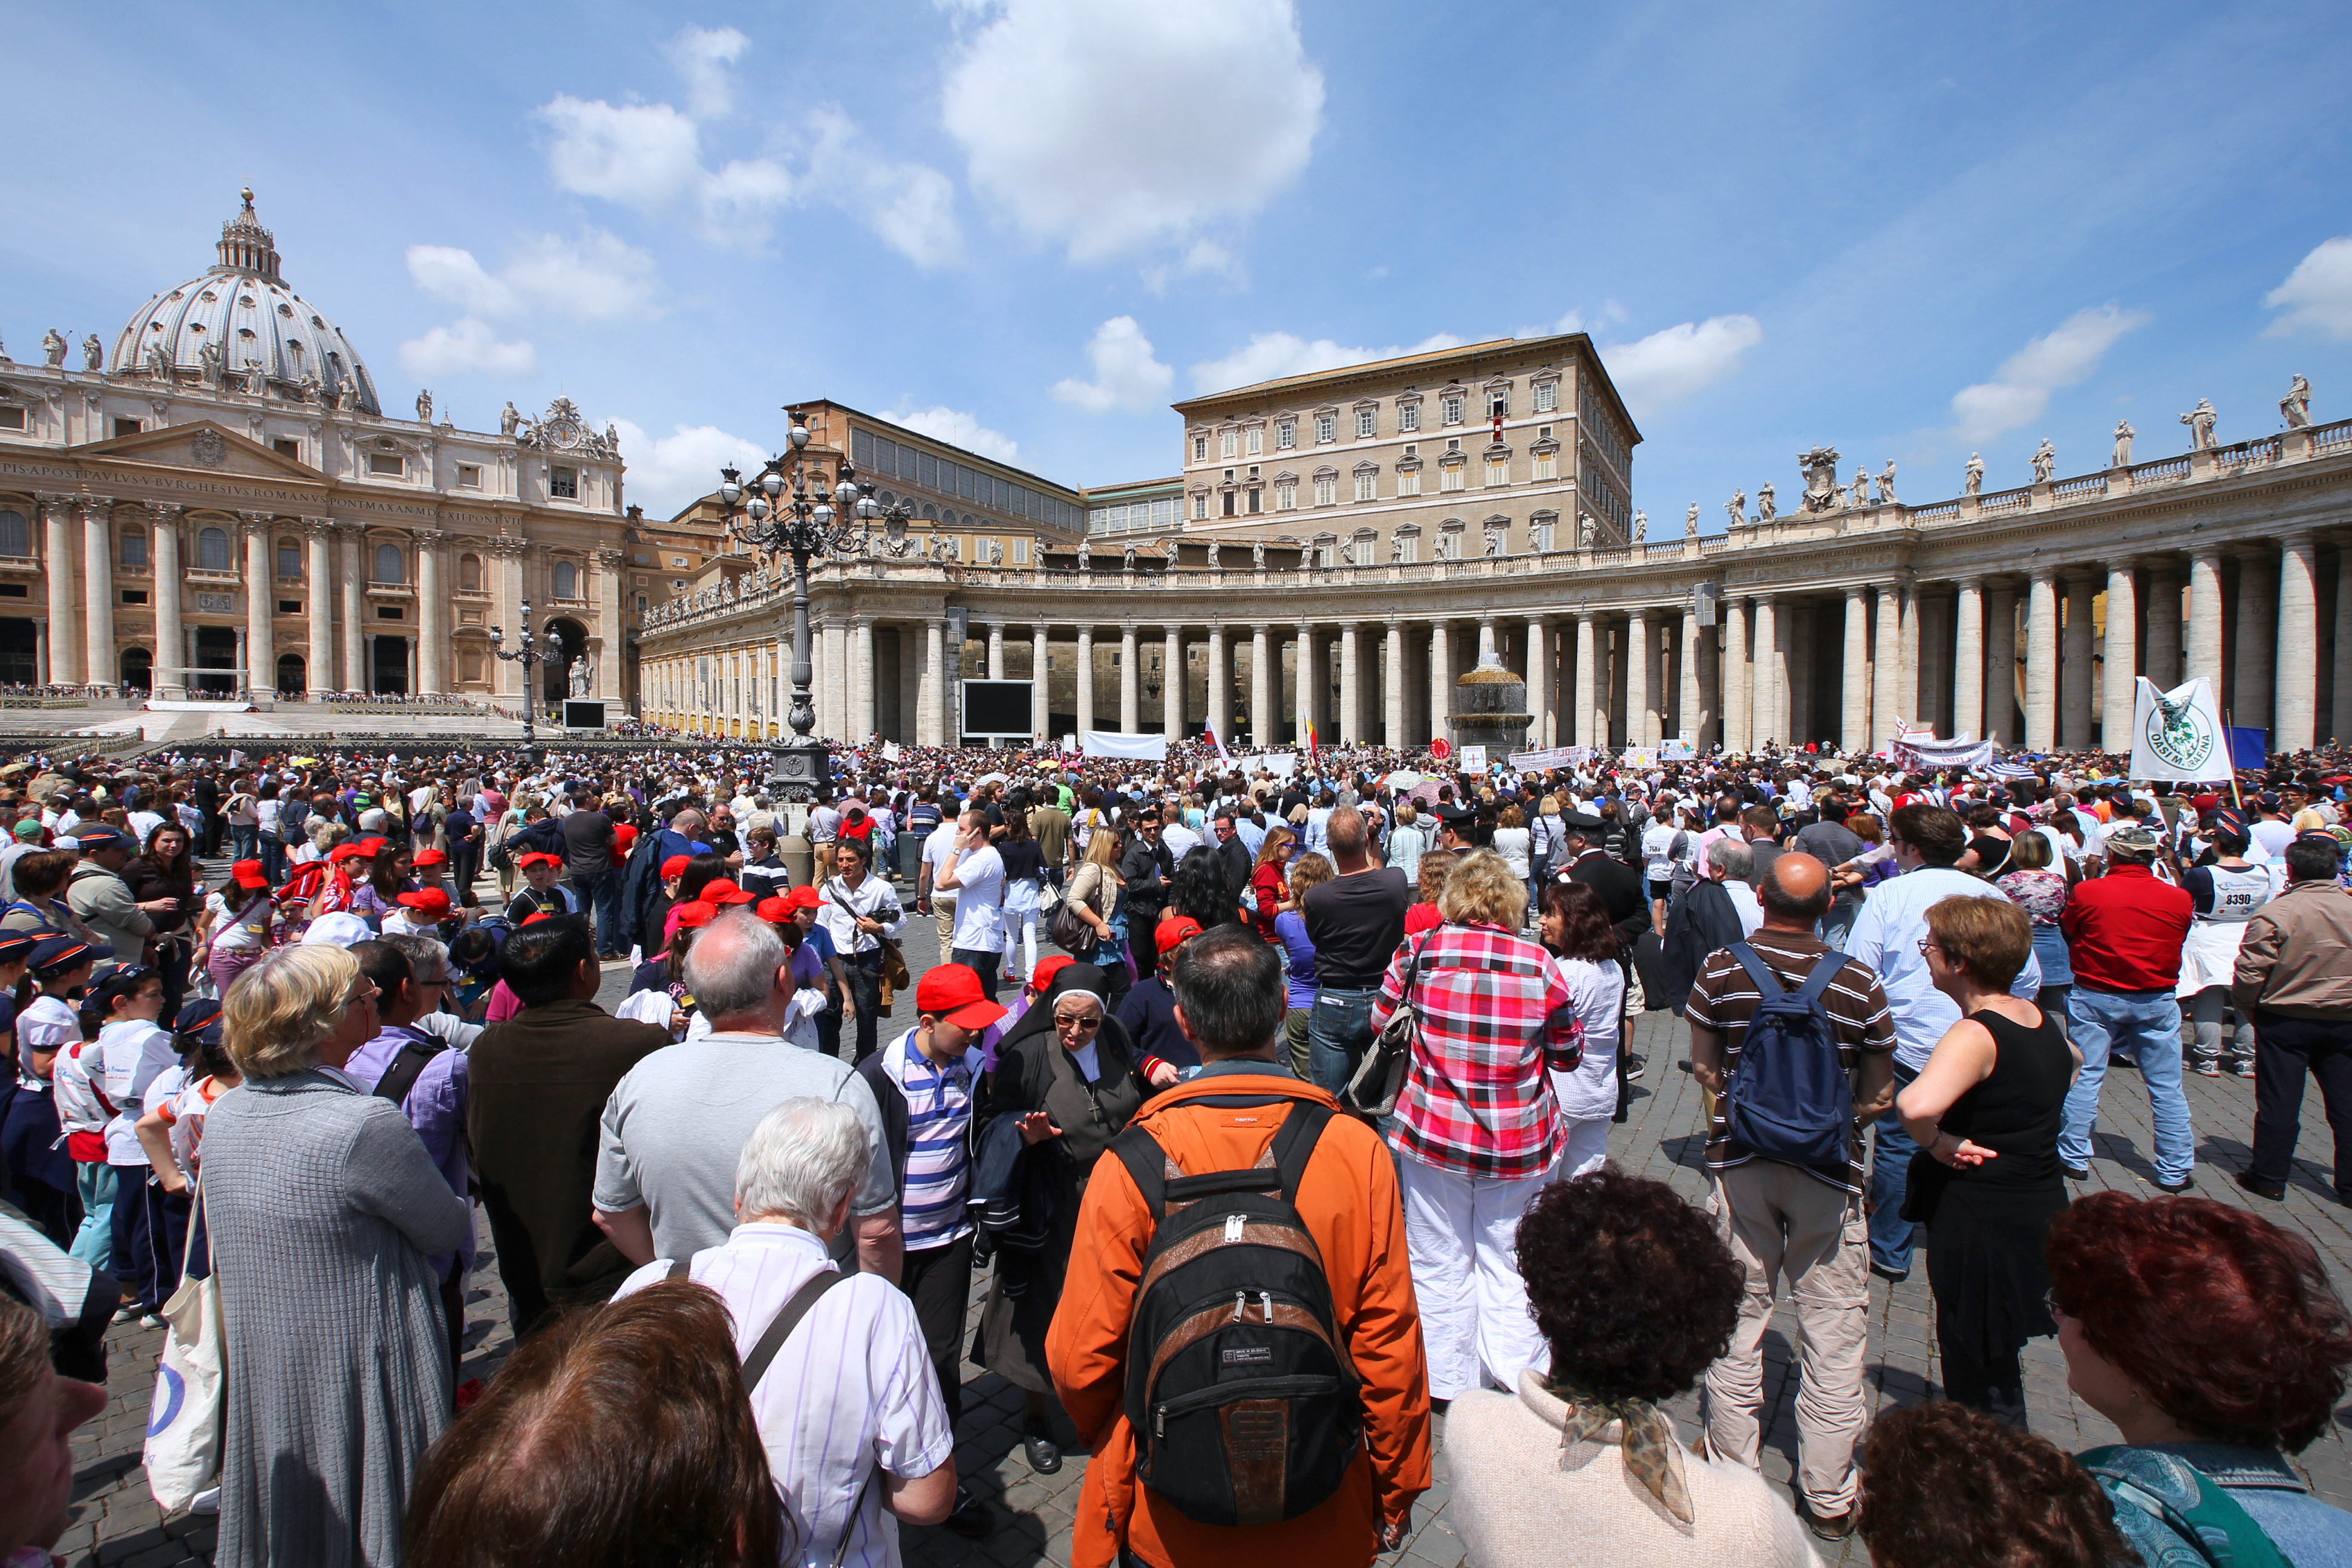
column 1927, row 945
column 1090, row 1023
column 2049, row 1304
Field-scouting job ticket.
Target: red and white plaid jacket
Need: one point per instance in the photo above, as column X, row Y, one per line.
column 1496, row 1010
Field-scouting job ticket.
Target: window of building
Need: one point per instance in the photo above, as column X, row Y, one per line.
column 390, row 567
column 1201, row 507
column 1499, row 405
column 1539, row 529
column 1408, row 417
column 1367, row 423
column 1408, row 547
column 1021, row 553
column 1454, row 443
column 641, row 604
column 1254, row 508
column 15, row 535
column 289, row 606
column 1547, row 465
column 1499, row 471
column 470, row 476
column 126, row 427
column 390, row 613
column 1285, row 498
column 1229, row 503
column 134, row 547
column 1254, row 441
column 287, row 447
column 1409, row 481
column 567, row 580
column 388, row 464
column 1546, row 396
column 212, row 550
column 289, row 559
column 469, row 573
column 1368, row 485
column 563, row 482
column 1286, row 435
column 12, row 419
column 1450, row 408
column 15, row 591
column 1450, row 477
column 1199, row 449
column 1326, row 428
column 1229, row 444
column 1326, row 490
column 1326, row 553
column 134, row 595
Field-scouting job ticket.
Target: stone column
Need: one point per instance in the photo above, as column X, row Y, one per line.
column 996, row 650
column 1041, row 705
column 1641, row 702
column 170, row 640
column 1487, row 641
column 319, row 566
column 838, row 681
column 861, row 679
column 1220, row 690
column 431, row 631
column 1854, row 685
column 1264, row 686
column 1797, row 671
column 58, row 569
column 1351, row 713
column 1541, row 666
column 408, row 643
column 2249, row 702
column 1968, row 662
column 1130, row 686
column 2122, row 659
column 1172, row 688
column 1734, row 681
column 2297, row 712
column 1766, row 721
column 1303, row 681
column 1441, row 680
column 612, row 628
column 1885, row 666
column 2002, row 706
column 1913, row 701
column 97, row 592
column 2075, row 664
column 1591, row 729
column 932, row 716
column 2041, row 663
column 1086, row 677
column 354, row 607
column 2163, row 614
column 2205, row 619
column 2340, row 723
column 260, row 645
column 1691, row 715
column 1392, row 684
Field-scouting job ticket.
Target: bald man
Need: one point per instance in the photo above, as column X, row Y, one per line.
column 1788, row 1223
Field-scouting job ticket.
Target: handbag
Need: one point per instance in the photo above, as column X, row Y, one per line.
column 1067, row 930
column 182, row 1452
column 1372, row 1088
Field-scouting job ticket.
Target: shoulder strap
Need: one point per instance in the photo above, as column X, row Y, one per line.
column 1824, row 972
column 2215, row 1511
column 1295, row 1145
column 407, row 1069
column 780, row 1327
column 1767, row 983
column 1145, row 1161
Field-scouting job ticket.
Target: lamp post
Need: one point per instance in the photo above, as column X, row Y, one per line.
column 530, row 656
column 804, row 524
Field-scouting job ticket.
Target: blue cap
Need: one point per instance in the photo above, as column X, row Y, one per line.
column 198, row 1016
column 58, row 953
column 15, row 946
column 104, row 837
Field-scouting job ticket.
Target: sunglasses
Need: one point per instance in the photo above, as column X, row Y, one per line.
column 1092, row 1023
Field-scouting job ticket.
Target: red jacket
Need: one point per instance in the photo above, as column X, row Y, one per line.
column 2124, row 931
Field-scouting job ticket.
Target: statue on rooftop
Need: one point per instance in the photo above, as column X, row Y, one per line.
column 2295, row 407
column 1736, row 506
column 509, row 420
column 2200, row 421
column 93, row 353
column 2121, row 456
column 1972, row 478
column 1886, row 485
column 425, row 406
column 1767, row 508
column 53, row 345
column 2045, row 460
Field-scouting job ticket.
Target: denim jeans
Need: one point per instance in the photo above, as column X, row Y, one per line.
column 242, row 839
column 94, row 1243
column 2147, row 1023
column 864, row 999
column 1339, row 1030
column 985, row 965
column 1890, row 1171
column 600, row 898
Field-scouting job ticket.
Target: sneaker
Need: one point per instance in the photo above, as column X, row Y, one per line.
column 2261, row 1186
column 2243, row 1069
column 1635, row 1065
column 2209, row 1069
column 153, row 1321
column 1891, row 1276
column 126, row 1313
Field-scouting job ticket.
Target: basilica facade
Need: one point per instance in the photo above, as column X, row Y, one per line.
column 217, row 504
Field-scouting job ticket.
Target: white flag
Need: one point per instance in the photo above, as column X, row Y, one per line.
column 2176, row 735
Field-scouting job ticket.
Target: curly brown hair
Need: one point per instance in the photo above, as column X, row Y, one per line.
column 2226, row 1322
column 1945, row 1484
column 1630, row 1284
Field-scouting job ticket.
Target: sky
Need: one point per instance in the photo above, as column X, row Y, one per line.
column 1027, row 225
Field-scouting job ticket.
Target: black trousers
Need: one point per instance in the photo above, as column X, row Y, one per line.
column 1994, row 1386
column 865, row 998
column 2285, row 1050
column 938, row 1281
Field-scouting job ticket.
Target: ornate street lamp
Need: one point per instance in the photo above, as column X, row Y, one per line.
column 529, row 655
column 804, row 525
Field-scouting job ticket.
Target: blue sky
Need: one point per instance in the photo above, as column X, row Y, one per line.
column 1027, row 224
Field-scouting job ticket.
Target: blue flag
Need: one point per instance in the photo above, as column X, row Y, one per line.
column 2249, row 747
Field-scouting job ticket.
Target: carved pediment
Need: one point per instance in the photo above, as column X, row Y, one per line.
column 202, row 445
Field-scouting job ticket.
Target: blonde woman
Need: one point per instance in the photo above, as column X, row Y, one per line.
column 323, row 1208
column 1097, row 895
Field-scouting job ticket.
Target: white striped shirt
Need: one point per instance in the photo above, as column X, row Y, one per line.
column 851, row 1389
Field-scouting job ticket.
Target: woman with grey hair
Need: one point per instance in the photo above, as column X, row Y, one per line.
column 847, row 1404
column 323, row 1208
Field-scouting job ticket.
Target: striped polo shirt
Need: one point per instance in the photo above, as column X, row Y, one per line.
column 939, row 1161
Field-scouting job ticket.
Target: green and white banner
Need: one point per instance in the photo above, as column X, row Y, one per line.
column 2176, row 735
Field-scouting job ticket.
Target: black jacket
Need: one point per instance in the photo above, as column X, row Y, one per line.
column 1621, row 892
column 1145, row 868
column 1701, row 920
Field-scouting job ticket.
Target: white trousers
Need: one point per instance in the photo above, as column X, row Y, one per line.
column 1587, row 1148
column 1461, row 1234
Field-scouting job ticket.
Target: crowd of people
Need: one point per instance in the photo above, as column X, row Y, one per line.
column 1265, row 1103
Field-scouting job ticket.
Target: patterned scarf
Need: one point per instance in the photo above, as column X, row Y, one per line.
column 1653, row 1457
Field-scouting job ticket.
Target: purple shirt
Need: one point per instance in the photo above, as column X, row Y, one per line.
column 436, row 1107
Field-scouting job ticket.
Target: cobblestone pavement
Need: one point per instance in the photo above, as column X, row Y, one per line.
column 116, row 1520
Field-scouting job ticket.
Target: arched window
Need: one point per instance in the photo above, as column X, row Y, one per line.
column 469, row 573
column 389, row 566
column 567, row 580
column 15, row 535
column 211, row 550
column 134, row 547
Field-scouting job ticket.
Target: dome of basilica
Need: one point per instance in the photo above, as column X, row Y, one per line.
column 239, row 320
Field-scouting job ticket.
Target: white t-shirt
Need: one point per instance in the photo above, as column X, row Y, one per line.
column 980, row 899
column 1180, row 840
column 131, row 1053
column 937, row 846
column 1658, row 849
column 232, row 934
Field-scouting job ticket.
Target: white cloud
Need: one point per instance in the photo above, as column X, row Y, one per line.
column 595, row 277
column 1113, row 125
column 1126, row 376
column 910, row 206
column 466, row 344
column 1667, row 367
column 1270, row 355
column 2317, row 294
column 2020, row 393
column 649, row 156
column 666, row 473
column 958, row 428
column 705, row 57
column 1202, row 258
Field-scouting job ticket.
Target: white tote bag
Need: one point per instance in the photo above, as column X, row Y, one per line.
column 184, row 1426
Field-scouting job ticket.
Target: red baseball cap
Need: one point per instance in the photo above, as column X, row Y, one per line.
column 1172, row 933
column 534, row 857
column 623, row 837
column 534, row 919
column 372, row 846
column 775, row 912
column 952, row 992
column 249, row 874
column 724, row 892
column 1043, row 975
column 345, row 852
column 432, row 857
column 433, row 902
column 805, row 898
column 695, row 915
column 675, row 866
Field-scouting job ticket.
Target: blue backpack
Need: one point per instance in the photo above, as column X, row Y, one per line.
column 1788, row 1099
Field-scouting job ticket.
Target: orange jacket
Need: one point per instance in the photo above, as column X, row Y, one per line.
column 1348, row 1200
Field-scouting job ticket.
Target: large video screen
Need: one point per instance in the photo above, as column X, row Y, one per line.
column 996, row 708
